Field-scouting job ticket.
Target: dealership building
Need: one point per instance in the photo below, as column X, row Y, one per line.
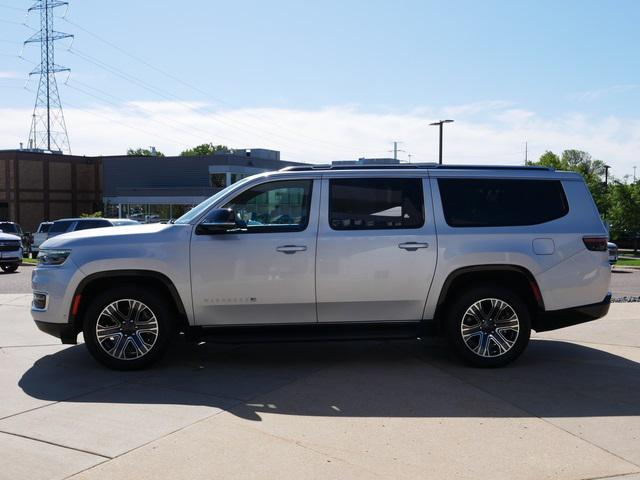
column 151, row 189
column 38, row 186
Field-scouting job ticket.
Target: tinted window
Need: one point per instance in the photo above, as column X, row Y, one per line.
column 375, row 203
column 61, row 226
column 274, row 206
column 87, row 224
column 501, row 203
column 44, row 227
column 119, row 223
column 9, row 228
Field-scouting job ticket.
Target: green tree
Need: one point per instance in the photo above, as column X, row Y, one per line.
column 144, row 152
column 205, row 149
column 549, row 159
column 624, row 213
column 91, row 215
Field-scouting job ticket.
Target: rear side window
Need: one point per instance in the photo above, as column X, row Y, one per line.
column 375, row 203
column 87, row 224
column 501, row 203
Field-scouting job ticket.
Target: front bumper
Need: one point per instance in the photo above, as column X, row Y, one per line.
column 64, row 331
column 555, row 319
column 12, row 257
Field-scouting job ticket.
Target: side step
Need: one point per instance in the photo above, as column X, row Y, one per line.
column 309, row 332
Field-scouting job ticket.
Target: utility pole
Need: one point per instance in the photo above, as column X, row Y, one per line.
column 396, row 150
column 440, row 123
column 48, row 109
column 526, row 153
column 606, row 176
column 634, row 174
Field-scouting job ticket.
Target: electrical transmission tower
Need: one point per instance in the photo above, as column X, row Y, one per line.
column 48, row 129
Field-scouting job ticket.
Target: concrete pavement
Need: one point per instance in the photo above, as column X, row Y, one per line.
column 568, row 409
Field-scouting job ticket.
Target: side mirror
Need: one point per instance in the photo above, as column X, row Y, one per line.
column 220, row 220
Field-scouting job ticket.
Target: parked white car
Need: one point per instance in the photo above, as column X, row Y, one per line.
column 481, row 255
column 10, row 252
column 39, row 236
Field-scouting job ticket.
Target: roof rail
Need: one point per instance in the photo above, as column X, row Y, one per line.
column 413, row 166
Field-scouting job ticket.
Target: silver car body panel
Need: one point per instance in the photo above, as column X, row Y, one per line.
column 355, row 275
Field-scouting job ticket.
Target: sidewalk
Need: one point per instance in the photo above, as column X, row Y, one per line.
column 568, row 409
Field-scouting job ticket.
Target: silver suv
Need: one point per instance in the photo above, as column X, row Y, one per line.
column 482, row 255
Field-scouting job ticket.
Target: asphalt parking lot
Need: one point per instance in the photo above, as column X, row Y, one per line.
column 569, row 409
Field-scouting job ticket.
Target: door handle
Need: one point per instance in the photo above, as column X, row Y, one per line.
column 412, row 246
column 290, row 249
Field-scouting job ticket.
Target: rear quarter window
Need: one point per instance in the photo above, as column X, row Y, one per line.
column 470, row 202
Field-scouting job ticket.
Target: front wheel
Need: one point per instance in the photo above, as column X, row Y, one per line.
column 9, row 268
column 488, row 326
column 128, row 327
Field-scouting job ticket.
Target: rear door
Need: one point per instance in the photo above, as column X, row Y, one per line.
column 376, row 248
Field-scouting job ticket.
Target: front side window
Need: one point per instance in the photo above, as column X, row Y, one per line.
column 375, row 203
column 471, row 202
column 282, row 206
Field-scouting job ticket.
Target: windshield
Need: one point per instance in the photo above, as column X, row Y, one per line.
column 8, row 228
column 60, row 226
column 199, row 209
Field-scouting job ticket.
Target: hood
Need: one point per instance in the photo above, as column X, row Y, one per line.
column 9, row 236
column 106, row 235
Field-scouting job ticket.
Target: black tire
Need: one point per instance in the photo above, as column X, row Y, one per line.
column 9, row 268
column 139, row 332
column 485, row 345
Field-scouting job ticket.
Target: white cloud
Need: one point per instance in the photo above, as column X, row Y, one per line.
column 485, row 132
column 597, row 94
column 12, row 75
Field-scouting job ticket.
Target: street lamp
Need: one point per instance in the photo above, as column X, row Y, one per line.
column 440, row 123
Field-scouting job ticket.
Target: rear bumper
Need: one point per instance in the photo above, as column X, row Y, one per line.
column 63, row 331
column 552, row 320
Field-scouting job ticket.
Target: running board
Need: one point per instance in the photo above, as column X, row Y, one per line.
column 310, row 332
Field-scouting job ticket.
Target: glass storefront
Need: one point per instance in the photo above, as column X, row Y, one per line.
column 145, row 212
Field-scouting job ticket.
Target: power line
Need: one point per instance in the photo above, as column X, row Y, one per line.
column 2, row 5
column 168, row 96
column 297, row 135
column 187, row 130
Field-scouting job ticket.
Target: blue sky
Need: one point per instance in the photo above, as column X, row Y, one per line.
column 538, row 71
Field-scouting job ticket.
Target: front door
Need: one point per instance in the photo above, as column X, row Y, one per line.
column 376, row 249
column 266, row 272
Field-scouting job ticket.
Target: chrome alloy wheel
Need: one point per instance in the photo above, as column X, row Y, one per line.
column 490, row 327
column 127, row 329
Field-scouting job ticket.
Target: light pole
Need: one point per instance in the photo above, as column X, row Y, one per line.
column 440, row 123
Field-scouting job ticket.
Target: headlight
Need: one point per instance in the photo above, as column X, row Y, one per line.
column 50, row 256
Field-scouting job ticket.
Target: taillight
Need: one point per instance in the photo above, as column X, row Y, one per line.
column 595, row 244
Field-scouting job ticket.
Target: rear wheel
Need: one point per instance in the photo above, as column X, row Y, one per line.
column 127, row 327
column 10, row 268
column 488, row 326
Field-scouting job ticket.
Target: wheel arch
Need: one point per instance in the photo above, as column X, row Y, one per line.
column 97, row 282
column 514, row 277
